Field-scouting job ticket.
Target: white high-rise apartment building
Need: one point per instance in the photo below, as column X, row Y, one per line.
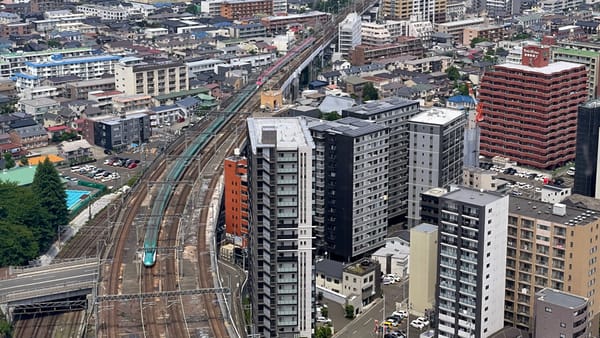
column 435, row 156
column 473, row 227
column 280, row 179
column 349, row 35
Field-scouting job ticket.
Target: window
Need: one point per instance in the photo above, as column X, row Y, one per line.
column 548, row 309
column 563, row 324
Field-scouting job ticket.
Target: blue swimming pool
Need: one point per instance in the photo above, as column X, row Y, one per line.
column 74, row 197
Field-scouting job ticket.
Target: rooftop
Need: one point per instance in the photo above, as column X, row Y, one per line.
column 349, row 126
column 361, row 268
column 330, row 268
column 381, row 106
column 577, row 52
column 473, row 197
column 552, row 68
column 561, row 298
column 20, row 176
column 542, row 210
column 438, row 116
column 591, row 104
column 292, row 133
column 425, row 227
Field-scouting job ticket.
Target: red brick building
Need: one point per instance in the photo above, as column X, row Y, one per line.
column 530, row 110
column 239, row 9
column 236, row 199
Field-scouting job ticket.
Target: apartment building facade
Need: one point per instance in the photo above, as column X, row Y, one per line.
column 351, row 161
column 236, row 199
column 349, row 33
column 237, row 9
column 281, row 264
column 435, row 154
column 87, row 67
column 584, row 53
column 472, row 255
column 426, row 10
column 531, row 109
column 549, row 245
column 118, row 133
column 560, row 312
column 394, row 113
column 151, row 77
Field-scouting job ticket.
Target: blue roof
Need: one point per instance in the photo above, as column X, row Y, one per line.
column 461, row 99
column 72, row 61
column 165, row 108
column 222, row 24
column 26, row 76
column 189, row 101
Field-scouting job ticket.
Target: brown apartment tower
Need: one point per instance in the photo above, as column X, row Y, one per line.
column 236, row 199
column 530, row 109
column 550, row 246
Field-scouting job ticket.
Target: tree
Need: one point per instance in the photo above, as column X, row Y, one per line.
column 323, row 332
column 5, row 327
column 453, row 73
column 477, row 40
column 325, row 312
column 52, row 43
column 370, row 92
column 23, row 225
column 48, row 188
column 349, row 309
column 9, row 161
column 24, row 160
column 331, row 116
column 463, row 89
column 193, row 9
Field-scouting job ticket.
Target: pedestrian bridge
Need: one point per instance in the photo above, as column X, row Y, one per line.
column 54, row 286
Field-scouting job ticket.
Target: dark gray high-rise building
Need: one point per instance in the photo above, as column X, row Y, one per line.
column 281, row 265
column 435, row 154
column 351, row 169
column 394, row 113
column 586, row 155
column 560, row 314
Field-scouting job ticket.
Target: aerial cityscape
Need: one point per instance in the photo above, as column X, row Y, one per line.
column 300, row 168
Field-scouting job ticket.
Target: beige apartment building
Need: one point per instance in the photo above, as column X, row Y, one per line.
column 549, row 245
column 135, row 75
column 423, row 272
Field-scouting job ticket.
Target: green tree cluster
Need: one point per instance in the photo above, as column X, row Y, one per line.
column 9, row 161
column 331, row 116
column 370, row 92
column 30, row 216
column 323, row 332
column 453, row 73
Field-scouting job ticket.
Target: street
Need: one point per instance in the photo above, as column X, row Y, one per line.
column 363, row 326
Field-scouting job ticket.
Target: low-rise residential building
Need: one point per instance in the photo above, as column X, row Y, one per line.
column 485, row 31
column 363, row 54
column 239, row 9
column 78, row 90
column 393, row 257
column 329, row 274
column 456, row 28
column 477, row 178
column 75, row 151
column 280, row 23
column 428, row 65
column 560, row 312
column 28, row 134
column 362, row 279
column 37, row 108
column 135, row 75
column 166, row 115
column 87, row 67
column 120, row 132
column 126, row 103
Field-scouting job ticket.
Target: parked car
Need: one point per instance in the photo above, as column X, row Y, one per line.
column 323, row 320
column 417, row 324
column 401, row 313
column 393, row 321
column 388, row 281
column 132, row 166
